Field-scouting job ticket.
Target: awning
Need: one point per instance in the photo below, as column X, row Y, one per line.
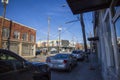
column 80, row 6
column 93, row 39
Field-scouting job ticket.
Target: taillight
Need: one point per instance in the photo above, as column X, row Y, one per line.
column 65, row 61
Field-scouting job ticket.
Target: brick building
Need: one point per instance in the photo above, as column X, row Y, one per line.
column 21, row 38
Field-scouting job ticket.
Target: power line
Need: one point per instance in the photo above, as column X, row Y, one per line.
column 63, row 31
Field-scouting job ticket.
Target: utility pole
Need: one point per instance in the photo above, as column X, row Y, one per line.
column 48, row 33
column 5, row 2
column 8, row 45
column 83, row 31
column 59, row 30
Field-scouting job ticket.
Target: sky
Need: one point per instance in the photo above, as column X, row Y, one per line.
column 35, row 13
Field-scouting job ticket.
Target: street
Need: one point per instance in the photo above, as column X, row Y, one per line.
column 80, row 72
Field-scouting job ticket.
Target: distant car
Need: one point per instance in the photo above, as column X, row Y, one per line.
column 61, row 61
column 14, row 67
column 78, row 54
column 38, row 52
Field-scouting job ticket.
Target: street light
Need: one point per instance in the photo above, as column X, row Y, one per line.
column 5, row 2
column 59, row 30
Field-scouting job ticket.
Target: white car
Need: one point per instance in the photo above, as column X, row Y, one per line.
column 78, row 54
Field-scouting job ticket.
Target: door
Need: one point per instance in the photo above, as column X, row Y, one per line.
column 12, row 67
column 7, row 71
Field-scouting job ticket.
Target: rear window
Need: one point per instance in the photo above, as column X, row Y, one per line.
column 61, row 56
column 79, row 51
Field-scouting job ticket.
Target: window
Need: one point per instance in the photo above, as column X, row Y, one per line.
column 5, row 33
column 31, row 38
column 117, row 25
column 16, row 35
column 24, row 37
column 117, row 9
column 9, row 63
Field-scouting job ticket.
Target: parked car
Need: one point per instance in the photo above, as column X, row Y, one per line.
column 61, row 61
column 14, row 67
column 38, row 52
column 78, row 54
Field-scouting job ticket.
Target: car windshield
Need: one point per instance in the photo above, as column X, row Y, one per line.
column 61, row 56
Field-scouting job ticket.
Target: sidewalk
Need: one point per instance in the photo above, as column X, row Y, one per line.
column 94, row 68
column 90, row 70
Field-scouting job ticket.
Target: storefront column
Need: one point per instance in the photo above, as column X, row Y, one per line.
column 34, row 49
column 114, row 41
column 20, row 49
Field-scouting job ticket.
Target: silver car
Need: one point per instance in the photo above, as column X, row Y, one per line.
column 78, row 54
column 61, row 61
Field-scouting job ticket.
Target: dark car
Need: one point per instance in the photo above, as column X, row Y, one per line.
column 14, row 67
column 38, row 52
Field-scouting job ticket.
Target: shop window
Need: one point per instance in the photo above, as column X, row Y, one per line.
column 24, row 37
column 117, row 26
column 27, row 49
column 31, row 38
column 5, row 33
column 16, row 35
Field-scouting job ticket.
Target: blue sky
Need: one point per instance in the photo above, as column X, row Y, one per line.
column 34, row 13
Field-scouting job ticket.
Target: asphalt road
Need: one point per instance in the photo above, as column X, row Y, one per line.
column 80, row 72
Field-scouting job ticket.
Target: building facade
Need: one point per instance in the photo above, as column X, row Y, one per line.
column 18, row 38
column 107, row 29
column 63, row 45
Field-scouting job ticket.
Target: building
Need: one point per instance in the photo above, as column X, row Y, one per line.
column 63, row 45
column 106, row 33
column 18, row 38
column 107, row 29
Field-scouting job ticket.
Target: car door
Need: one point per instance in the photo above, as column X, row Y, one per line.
column 23, row 71
column 12, row 67
column 7, row 71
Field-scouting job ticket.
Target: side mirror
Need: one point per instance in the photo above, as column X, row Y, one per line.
column 26, row 64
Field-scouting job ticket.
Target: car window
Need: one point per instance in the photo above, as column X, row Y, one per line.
column 9, row 63
column 60, row 56
column 74, row 52
column 79, row 51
